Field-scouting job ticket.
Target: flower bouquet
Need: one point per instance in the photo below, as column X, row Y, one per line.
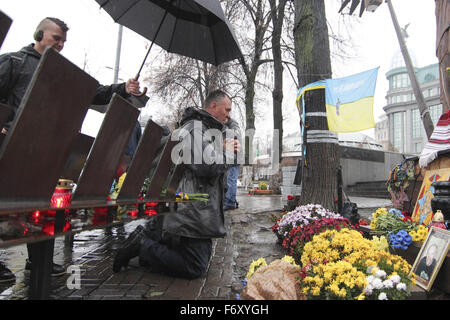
column 182, row 196
column 342, row 264
column 385, row 221
column 398, row 226
column 300, row 235
column 299, row 217
column 400, row 240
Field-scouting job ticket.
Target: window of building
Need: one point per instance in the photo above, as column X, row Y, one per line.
column 416, row 124
column 398, row 139
column 418, row 147
column 435, row 113
column 400, row 81
column 433, row 92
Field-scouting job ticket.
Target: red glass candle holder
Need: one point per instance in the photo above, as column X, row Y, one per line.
column 62, row 195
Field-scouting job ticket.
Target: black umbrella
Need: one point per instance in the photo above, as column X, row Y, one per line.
column 193, row 28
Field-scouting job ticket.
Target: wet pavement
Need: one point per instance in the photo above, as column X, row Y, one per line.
column 89, row 260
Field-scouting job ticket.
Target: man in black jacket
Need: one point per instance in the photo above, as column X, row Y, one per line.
column 17, row 68
column 179, row 243
column 16, row 72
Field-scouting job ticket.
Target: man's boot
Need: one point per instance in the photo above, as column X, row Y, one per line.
column 129, row 250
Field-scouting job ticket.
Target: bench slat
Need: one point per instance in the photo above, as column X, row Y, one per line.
column 141, row 162
column 79, row 151
column 5, row 23
column 99, row 172
column 161, row 172
column 172, row 186
column 37, row 145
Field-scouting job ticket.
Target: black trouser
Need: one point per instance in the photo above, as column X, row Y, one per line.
column 179, row 257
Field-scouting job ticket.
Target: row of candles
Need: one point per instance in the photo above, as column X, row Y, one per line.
column 61, row 198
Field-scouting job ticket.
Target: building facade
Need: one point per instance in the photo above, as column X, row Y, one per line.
column 403, row 124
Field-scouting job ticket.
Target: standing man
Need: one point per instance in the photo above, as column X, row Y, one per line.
column 16, row 72
column 179, row 243
column 232, row 130
column 17, row 68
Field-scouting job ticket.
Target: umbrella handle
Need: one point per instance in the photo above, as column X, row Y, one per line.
column 140, row 94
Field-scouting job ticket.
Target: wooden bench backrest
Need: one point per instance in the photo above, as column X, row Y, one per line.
column 5, row 23
column 141, row 163
column 99, row 171
column 36, row 149
column 159, row 176
column 79, row 151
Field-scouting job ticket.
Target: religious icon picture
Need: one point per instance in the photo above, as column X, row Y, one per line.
column 423, row 214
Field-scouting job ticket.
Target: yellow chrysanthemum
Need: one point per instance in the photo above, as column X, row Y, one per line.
column 290, row 260
column 255, row 265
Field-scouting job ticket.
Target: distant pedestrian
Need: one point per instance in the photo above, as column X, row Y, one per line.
column 230, row 203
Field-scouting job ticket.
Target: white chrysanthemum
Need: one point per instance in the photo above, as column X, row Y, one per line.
column 382, row 296
column 380, row 274
column 388, row 284
column 368, row 290
column 377, row 283
column 395, row 279
column 401, row 286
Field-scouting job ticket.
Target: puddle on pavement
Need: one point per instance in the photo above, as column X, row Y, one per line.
column 86, row 246
column 253, row 238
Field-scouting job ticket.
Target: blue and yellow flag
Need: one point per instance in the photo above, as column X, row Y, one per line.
column 349, row 101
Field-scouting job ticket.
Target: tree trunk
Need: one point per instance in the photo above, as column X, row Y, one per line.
column 277, row 12
column 261, row 20
column 320, row 166
column 249, row 118
column 319, row 176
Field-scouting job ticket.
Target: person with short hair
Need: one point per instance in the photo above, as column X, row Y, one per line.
column 17, row 68
column 180, row 243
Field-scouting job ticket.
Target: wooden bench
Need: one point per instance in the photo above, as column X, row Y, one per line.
column 44, row 144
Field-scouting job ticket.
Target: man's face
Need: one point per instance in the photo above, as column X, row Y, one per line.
column 53, row 37
column 221, row 109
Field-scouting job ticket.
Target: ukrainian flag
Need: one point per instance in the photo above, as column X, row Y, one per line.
column 349, row 101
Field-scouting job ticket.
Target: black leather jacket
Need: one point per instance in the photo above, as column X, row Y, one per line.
column 196, row 219
column 17, row 70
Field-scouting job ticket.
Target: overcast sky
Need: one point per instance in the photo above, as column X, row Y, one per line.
column 92, row 39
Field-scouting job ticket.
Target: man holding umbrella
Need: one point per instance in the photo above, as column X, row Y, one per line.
column 17, row 68
column 179, row 243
